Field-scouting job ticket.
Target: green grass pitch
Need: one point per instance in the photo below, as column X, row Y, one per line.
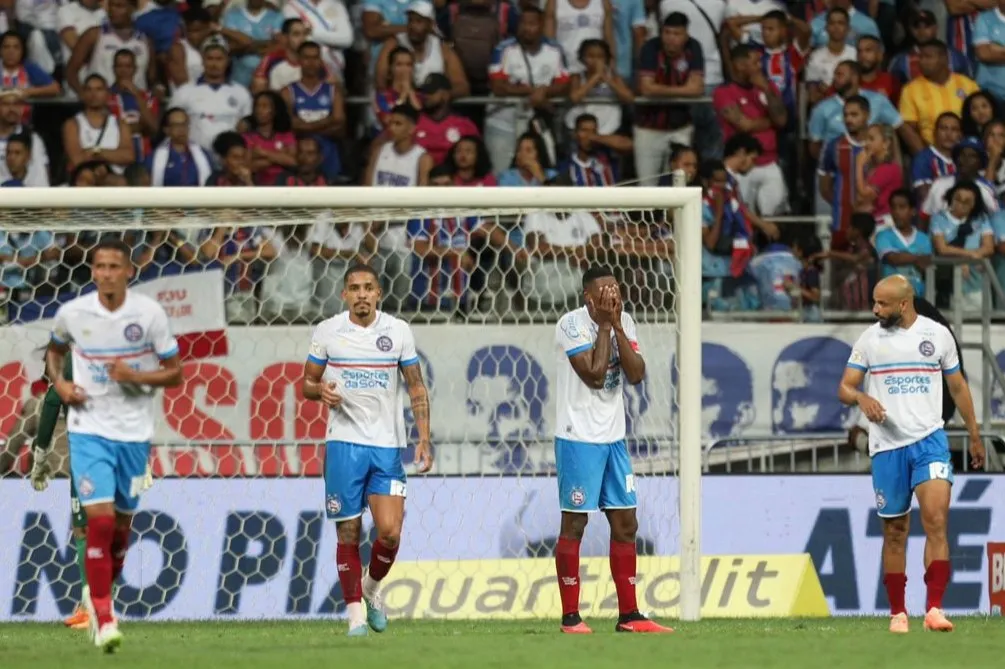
column 834, row 643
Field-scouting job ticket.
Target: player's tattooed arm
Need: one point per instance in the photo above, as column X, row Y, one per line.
column 419, row 398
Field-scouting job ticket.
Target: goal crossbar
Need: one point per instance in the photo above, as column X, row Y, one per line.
column 685, row 202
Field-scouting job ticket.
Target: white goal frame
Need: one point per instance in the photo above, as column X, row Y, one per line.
column 686, row 202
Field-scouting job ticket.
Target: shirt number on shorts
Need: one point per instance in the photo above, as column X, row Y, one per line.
column 136, row 486
column 630, row 483
column 397, row 489
column 938, row 470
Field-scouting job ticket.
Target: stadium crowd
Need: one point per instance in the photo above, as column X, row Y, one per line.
column 856, row 111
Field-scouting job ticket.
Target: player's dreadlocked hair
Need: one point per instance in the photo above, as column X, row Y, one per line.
column 928, row 310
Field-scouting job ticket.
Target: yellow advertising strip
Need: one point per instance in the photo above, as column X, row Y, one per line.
column 733, row 586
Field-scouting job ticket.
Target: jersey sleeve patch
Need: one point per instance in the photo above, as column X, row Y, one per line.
column 317, row 354
column 573, row 337
column 857, row 360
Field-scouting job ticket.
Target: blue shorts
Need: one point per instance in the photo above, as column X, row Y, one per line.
column 105, row 470
column 594, row 476
column 354, row 472
column 896, row 473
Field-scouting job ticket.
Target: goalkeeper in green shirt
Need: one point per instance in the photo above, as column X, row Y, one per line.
column 41, row 472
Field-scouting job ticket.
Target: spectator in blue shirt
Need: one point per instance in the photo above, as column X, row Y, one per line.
column 860, row 24
column 178, row 161
column 589, row 164
column 629, row 35
column 531, row 165
column 827, row 119
column 989, row 45
column 964, row 231
column 903, row 248
column 161, row 21
column 25, row 258
column 256, row 24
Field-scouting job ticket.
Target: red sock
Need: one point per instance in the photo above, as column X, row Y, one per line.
column 98, row 564
column 120, row 545
column 350, row 572
column 381, row 559
column 936, row 578
column 896, row 584
column 623, row 572
column 567, row 567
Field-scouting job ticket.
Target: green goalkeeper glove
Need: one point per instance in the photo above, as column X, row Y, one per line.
column 41, row 472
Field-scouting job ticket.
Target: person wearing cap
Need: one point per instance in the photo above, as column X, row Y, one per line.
column 923, row 28
column 971, row 160
column 439, row 128
column 97, row 48
column 328, row 24
column 213, row 103
column 432, row 54
column 937, row 90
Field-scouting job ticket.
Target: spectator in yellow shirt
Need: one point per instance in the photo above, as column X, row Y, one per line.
column 936, row 91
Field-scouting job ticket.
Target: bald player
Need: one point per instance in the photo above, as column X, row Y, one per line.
column 905, row 354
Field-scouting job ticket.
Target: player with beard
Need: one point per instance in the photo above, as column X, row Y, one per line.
column 352, row 368
column 905, row 354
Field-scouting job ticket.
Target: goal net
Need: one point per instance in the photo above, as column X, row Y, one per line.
column 234, row 525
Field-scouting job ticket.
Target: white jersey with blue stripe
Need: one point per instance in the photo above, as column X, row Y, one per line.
column 363, row 363
column 584, row 414
column 139, row 333
column 905, row 368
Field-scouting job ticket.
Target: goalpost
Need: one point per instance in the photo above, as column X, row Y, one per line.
column 488, row 365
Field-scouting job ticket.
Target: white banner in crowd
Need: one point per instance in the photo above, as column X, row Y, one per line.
column 493, row 392
column 260, row 548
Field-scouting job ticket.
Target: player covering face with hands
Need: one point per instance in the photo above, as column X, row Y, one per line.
column 352, row 368
column 597, row 350
column 904, row 355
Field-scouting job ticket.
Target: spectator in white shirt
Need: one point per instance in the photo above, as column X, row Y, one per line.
column 824, row 60
column 525, row 66
column 559, row 247
column 751, row 9
column 572, row 22
column 213, row 104
column 38, row 20
column 329, row 25
column 184, row 60
column 288, row 286
column 432, row 54
column 11, row 113
column 74, row 19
